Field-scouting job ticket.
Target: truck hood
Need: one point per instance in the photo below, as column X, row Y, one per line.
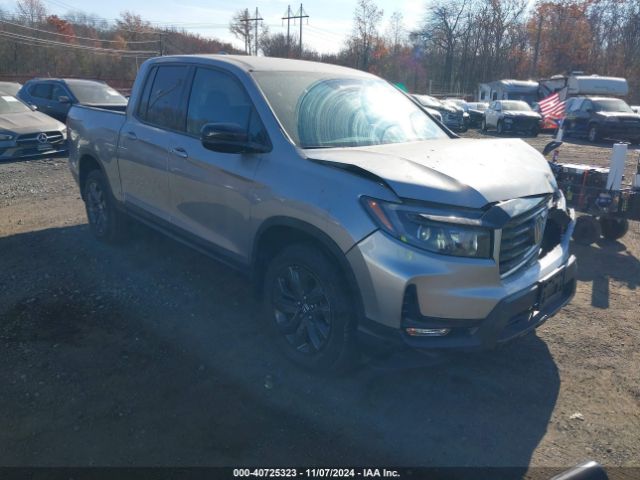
column 620, row 115
column 29, row 122
column 521, row 114
column 460, row 172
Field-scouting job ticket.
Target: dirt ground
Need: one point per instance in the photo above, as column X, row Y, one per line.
column 151, row 354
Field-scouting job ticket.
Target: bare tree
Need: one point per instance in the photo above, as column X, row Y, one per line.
column 443, row 27
column 366, row 19
column 32, row 11
column 396, row 33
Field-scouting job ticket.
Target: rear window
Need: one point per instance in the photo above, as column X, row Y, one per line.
column 95, row 94
column 162, row 103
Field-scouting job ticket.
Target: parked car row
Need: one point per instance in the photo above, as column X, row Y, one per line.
column 590, row 117
column 32, row 116
column 452, row 115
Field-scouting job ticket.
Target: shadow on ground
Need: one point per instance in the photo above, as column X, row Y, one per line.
column 152, row 354
column 599, row 263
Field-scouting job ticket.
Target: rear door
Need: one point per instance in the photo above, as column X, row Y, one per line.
column 211, row 192
column 144, row 139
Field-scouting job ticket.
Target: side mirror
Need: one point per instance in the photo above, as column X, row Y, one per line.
column 228, row 138
column 64, row 99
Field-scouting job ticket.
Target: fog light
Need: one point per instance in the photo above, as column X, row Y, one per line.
column 428, row 332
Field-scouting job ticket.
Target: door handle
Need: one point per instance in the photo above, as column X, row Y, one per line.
column 179, row 152
column 131, row 136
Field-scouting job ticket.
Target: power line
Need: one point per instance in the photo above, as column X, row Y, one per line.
column 75, row 36
column 53, row 43
column 34, row 44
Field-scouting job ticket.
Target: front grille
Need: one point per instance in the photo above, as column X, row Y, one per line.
column 31, row 139
column 525, row 123
column 521, row 239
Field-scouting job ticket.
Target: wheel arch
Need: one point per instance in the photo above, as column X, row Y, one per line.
column 278, row 232
column 87, row 164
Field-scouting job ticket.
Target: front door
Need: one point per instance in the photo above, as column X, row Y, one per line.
column 211, row 191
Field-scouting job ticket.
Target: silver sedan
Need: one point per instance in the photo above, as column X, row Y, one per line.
column 26, row 133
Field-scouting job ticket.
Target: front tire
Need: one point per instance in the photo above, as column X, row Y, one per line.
column 309, row 309
column 107, row 223
column 614, row 228
column 587, row 230
column 500, row 127
column 593, row 134
column 483, row 126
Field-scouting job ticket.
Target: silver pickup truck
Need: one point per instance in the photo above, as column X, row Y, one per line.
column 360, row 217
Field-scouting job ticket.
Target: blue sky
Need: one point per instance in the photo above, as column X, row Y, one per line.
column 329, row 20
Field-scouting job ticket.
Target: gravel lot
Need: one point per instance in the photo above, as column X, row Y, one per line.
column 152, row 354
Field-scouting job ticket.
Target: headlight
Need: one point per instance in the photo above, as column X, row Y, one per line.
column 5, row 136
column 560, row 200
column 63, row 131
column 409, row 225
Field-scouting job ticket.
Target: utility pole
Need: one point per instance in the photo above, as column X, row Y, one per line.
column 161, row 42
column 299, row 16
column 288, row 19
column 536, row 52
column 246, row 20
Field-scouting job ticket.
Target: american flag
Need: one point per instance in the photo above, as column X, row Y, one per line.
column 552, row 107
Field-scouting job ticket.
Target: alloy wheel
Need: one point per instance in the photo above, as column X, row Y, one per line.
column 301, row 308
column 97, row 208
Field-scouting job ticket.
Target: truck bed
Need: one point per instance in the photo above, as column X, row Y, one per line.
column 94, row 131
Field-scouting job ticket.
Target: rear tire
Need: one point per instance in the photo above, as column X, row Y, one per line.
column 309, row 309
column 107, row 223
column 587, row 230
column 614, row 228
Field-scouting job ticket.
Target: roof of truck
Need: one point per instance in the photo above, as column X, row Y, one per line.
column 264, row 64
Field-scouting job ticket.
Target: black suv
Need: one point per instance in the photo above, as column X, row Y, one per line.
column 601, row 117
column 55, row 96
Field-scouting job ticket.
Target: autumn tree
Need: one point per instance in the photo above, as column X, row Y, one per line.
column 563, row 37
column 62, row 27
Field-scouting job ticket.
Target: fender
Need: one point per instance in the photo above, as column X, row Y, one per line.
column 318, row 235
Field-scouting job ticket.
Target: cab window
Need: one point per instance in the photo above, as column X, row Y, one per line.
column 217, row 97
column 163, row 106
